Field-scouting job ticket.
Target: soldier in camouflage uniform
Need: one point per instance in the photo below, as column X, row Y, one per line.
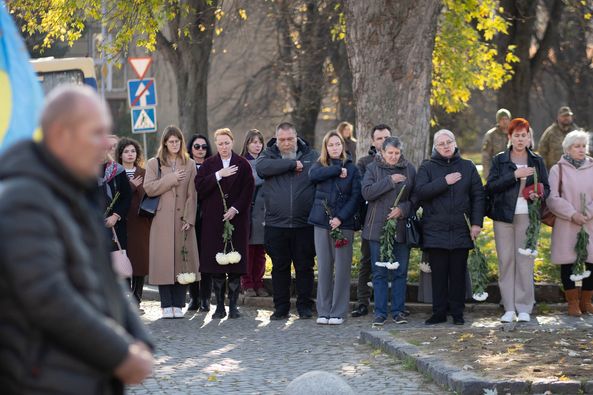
column 495, row 140
column 550, row 144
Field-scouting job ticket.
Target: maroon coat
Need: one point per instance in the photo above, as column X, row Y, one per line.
column 138, row 230
column 238, row 190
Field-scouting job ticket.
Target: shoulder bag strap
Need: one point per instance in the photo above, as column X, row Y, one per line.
column 559, row 179
column 116, row 239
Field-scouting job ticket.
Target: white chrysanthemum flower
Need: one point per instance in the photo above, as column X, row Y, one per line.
column 392, row 266
column 191, row 278
column 534, row 253
column 222, row 259
column 233, row 257
column 182, row 278
column 481, row 296
column 425, row 267
column 381, row 264
column 576, row 277
column 370, row 284
column 525, row 251
column 586, row 273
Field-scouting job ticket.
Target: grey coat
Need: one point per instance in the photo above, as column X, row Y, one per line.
column 258, row 211
column 380, row 191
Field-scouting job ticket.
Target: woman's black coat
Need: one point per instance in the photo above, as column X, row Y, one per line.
column 444, row 206
column 502, row 188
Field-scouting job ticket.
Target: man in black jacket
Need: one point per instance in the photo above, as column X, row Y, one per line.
column 363, row 291
column 66, row 326
column 288, row 196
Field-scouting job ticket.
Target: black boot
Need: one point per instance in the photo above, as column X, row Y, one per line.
column 234, row 289
column 218, row 284
column 194, row 293
column 205, row 292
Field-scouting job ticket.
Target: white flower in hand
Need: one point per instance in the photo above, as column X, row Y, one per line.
column 576, row 277
column 222, row 259
column 381, row 264
column 370, row 284
column 525, row 251
column 233, row 257
column 425, row 267
column 186, row 278
column 392, row 266
column 586, row 273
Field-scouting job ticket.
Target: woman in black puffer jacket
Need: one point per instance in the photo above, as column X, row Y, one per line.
column 337, row 198
column 448, row 189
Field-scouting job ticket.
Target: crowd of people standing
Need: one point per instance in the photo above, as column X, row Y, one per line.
column 284, row 199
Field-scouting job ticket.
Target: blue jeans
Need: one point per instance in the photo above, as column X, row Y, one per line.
column 381, row 277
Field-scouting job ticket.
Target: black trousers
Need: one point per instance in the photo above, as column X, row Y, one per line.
column 449, row 269
column 568, row 284
column 172, row 295
column 136, row 285
column 288, row 246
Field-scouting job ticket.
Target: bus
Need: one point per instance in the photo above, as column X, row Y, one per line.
column 53, row 72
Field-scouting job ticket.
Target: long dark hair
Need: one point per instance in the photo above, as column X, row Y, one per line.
column 121, row 146
column 190, row 144
column 249, row 137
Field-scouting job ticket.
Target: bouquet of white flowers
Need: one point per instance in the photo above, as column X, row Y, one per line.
column 387, row 239
column 228, row 255
column 478, row 270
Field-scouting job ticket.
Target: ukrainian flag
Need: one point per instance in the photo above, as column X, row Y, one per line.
column 21, row 96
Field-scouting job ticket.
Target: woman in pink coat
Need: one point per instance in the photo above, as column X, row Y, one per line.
column 569, row 179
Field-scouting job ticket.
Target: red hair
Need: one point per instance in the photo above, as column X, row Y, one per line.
column 518, row 123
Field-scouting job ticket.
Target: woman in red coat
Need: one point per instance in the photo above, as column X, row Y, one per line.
column 129, row 155
column 231, row 173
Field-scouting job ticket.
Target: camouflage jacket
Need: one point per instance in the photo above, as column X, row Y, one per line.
column 550, row 144
column 495, row 141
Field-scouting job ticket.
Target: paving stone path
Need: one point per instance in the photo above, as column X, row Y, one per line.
column 253, row 355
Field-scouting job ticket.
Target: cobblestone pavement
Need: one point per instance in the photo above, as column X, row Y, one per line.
column 253, row 355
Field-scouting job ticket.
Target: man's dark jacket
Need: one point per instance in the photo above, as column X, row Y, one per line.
column 444, row 206
column 502, row 187
column 65, row 323
column 288, row 194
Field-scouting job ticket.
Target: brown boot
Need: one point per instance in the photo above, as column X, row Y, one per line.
column 572, row 297
column 586, row 306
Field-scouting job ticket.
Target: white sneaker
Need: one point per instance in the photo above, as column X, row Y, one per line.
column 322, row 320
column 508, row 316
column 524, row 317
column 177, row 312
column 167, row 313
column 336, row 321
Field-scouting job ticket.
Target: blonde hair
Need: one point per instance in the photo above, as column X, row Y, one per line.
column 224, row 132
column 344, row 125
column 324, row 158
column 172, row 131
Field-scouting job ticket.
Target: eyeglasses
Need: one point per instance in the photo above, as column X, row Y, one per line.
column 445, row 143
column 201, row 146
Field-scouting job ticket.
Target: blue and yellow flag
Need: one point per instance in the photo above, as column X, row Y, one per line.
column 21, row 96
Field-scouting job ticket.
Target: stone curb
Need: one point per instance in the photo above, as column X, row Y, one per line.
column 464, row 382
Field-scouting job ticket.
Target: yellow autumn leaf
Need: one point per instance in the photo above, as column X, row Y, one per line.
column 242, row 14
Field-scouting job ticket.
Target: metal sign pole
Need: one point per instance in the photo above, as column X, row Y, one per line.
column 145, row 150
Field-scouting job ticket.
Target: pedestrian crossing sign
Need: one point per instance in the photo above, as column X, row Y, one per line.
column 143, row 120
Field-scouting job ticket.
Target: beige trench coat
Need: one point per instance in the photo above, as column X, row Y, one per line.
column 177, row 203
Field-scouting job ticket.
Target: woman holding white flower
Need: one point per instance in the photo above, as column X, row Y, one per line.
column 386, row 179
column 571, row 200
column 225, row 188
column 173, row 247
column 511, row 190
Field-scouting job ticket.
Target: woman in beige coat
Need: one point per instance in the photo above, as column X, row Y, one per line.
column 172, row 227
column 570, row 178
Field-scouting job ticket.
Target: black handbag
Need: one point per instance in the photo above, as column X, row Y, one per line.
column 413, row 232
column 148, row 205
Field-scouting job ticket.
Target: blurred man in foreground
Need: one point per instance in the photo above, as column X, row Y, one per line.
column 66, row 326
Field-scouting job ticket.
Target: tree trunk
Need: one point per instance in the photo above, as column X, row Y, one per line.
column 390, row 46
column 339, row 59
column 302, row 61
column 514, row 94
column 189, row 56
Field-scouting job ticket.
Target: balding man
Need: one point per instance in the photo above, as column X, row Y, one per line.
column 288, row 196
column 66, row 326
